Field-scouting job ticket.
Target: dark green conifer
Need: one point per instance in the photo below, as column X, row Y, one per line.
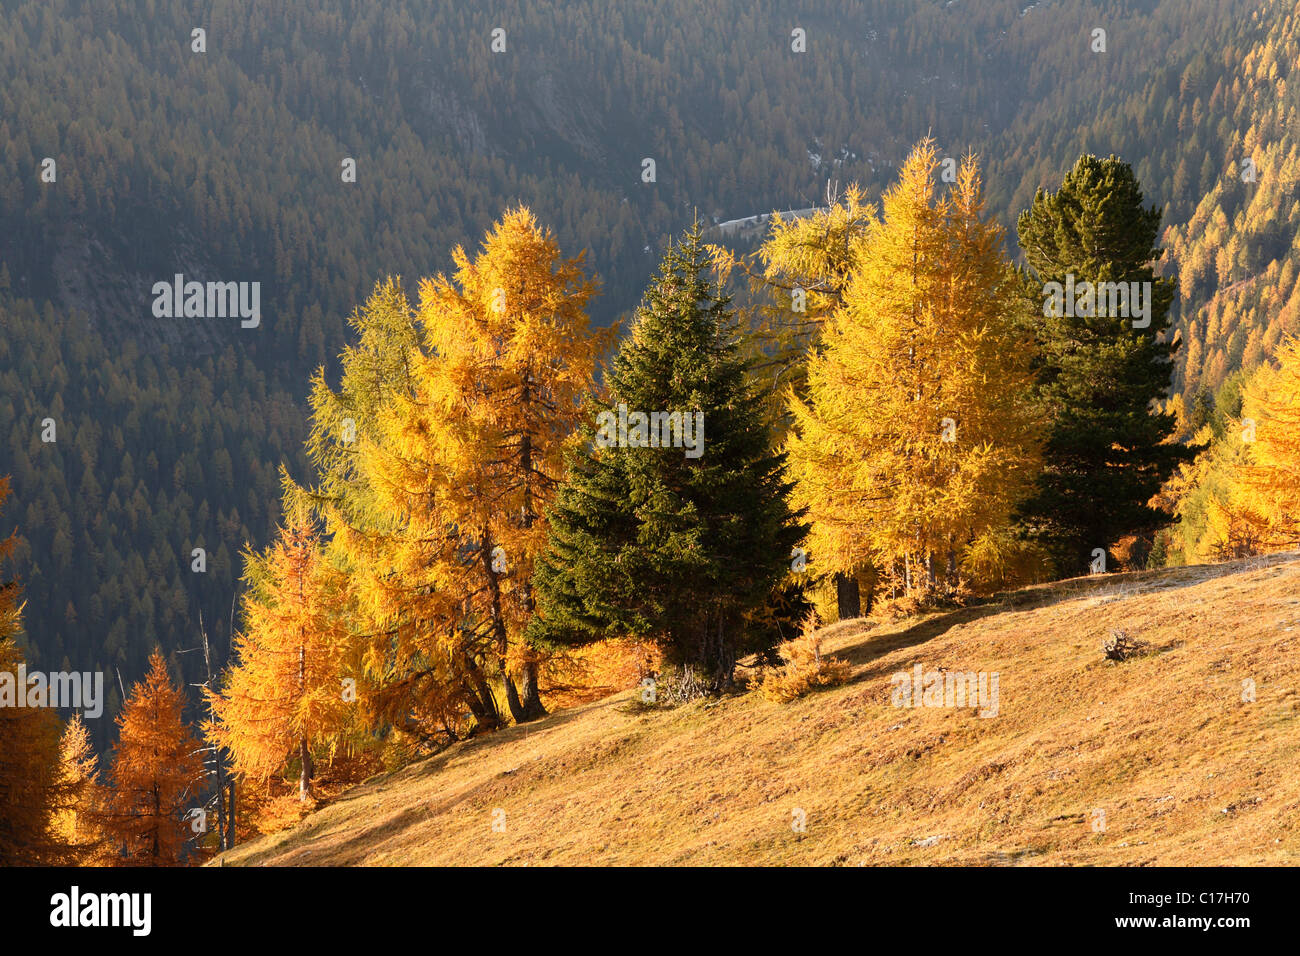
column 1105, row 454
column 682, row 545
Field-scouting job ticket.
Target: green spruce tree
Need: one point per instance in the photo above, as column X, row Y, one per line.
column 1106, row 453
column 688, row 545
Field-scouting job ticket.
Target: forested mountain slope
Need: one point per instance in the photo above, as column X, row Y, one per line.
column 227, row 162
column 226, row 165
column 1237, row 257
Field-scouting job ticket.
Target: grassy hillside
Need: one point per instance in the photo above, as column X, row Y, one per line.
column 1185, row 771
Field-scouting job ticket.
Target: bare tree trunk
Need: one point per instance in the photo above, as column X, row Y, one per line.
column 304, row 752
column 530, row 697
column 230, row 839
column 530, row 704
column 304, row 778
column 216, row 751
column 847, row 596
column 716, row 656
column 500, row 638
column 157, row 820
column 221, row 804
column 512, row 693
column 529, row 692
column 479, row 696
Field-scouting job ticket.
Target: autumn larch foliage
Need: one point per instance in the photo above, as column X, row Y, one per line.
column 1269, row 492
column 414, row 671
column 439, row 455
column 916, row 438
column 79, row 817
column 509, row 359
column 29, row 746
column 156, row 769
column 1241, row 496
column 798, row 277
column 284, row 697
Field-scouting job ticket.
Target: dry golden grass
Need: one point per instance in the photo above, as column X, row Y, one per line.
column 1185, row 771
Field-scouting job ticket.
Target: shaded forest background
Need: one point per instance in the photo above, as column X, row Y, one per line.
column 225, row 165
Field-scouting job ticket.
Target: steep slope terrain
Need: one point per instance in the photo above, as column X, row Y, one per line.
column 1160, row 759
column 226, row 161
column 1237, row 258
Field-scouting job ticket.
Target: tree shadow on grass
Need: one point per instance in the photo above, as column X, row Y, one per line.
column 297, row 845
column 436, row 763
column 1119, row 585
column 877, row 641
column 873, row 644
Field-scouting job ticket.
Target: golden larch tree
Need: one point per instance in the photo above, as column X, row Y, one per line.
column 795, row 280
column 471, row 458
column 78, row 820
column 1267, row 494
column 156, row 769
column 29, row 791
column 29, row 743
column 285, row 695
column 917, row 436
column 416, row 667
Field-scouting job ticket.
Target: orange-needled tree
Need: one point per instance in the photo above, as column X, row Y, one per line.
column 156, row 770
column 29, row 743
column 285, row 696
